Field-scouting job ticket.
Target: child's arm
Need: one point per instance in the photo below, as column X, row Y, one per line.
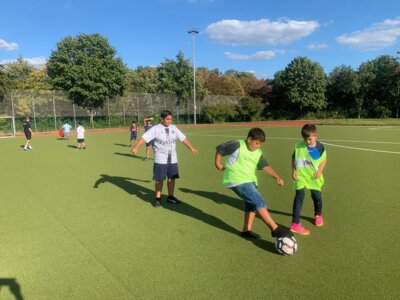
column 187, row 144
column 271, row 172
column 320, row 169
column 218, row 163
column 294, row 172
column 140, row 142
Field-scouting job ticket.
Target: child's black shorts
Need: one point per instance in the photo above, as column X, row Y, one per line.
column 163, row 171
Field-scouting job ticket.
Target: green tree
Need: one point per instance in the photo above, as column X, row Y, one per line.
column 304, row 83
column 142, row 80
column 218, row 84
column 176, row 77
column 17, row 74
column 342, row 90
column 379, row 87
column 385, row 89
column 3, row 83
column 250, row 109
column 87, row 67
column 366, row 76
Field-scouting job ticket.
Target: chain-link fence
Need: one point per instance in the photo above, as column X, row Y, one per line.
column 48, row 109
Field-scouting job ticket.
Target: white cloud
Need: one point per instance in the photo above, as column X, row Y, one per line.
column 317, row 46
column 34, row 61
column 8, row 46
column 255, row 56
column 260, row 32
column 378, row 36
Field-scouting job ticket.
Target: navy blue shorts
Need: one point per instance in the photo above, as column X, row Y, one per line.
column 133, row 136
column 163, row 171
column 151, row 143
column 81, row 140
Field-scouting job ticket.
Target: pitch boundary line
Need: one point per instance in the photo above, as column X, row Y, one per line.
column 362, row 149
column 289, row 138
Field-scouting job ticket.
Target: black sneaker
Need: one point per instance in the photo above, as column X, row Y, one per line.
column 173, row 200
column 157, row 202
column 250, row 234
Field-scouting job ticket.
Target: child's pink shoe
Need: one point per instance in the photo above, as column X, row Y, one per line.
column 297, row 228
column 319, row 220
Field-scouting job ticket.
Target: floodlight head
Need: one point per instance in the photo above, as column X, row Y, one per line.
column 193, row 31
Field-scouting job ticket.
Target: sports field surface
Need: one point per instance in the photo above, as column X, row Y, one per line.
column 79, row 224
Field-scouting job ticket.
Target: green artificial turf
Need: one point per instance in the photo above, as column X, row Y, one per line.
column 79, row 224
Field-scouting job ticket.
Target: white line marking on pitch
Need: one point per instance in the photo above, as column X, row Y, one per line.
column 362, row 149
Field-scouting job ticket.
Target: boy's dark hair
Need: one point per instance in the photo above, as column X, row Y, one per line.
column 308, row 130
column 79, row 123
column 165, row 113
column 256, row 134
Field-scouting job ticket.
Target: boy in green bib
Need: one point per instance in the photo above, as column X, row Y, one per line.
column 244, row 158
column 308, row 163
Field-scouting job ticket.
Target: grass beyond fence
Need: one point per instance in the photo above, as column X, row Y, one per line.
column 79, row 224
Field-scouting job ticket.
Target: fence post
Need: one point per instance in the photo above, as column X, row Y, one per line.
column 108, row 112
column 151, row 104
column 34, row 112
column 12, row 109
column 54, row 111
column 123, row 109
column 73, row 108
column 137, row 108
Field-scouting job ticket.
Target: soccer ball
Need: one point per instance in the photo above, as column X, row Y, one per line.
column 286, row 245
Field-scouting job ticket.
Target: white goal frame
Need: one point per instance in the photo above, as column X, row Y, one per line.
column 12, row 132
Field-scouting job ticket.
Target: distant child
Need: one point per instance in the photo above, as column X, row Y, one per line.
column 244, row 158
column 80, row 135
column 308, row 163
column 147, row 125
column 66, row 128
column 28, row 134
column 134, row 130
column 165, row 136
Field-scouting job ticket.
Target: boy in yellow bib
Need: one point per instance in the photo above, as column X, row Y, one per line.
column 244, row 158
column 308, row 163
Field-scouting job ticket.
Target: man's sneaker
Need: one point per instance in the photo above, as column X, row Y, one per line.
column 30, row 148
column 319, row 220
column 297, row 228
column 172, row 199
column 250, row 234
column 26, row 149
column 157, row 202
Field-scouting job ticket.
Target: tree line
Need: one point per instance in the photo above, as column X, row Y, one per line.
column 88, row 68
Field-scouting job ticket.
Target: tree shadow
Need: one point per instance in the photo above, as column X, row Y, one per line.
column 13, row 286
column 147, row 195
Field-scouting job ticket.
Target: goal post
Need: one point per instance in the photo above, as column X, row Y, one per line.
column 7, row 126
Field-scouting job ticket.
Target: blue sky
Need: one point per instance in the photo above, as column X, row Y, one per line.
column 259, row 36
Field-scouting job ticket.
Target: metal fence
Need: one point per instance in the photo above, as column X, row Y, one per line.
column 49, row 109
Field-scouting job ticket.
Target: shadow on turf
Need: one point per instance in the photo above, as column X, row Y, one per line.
column 122, row 145
column 131, row 155
column 13, row 286
column 235, row 202
column 147, row 195
column 73, row 146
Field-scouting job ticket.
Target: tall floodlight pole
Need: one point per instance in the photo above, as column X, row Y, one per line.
column 193, row 32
